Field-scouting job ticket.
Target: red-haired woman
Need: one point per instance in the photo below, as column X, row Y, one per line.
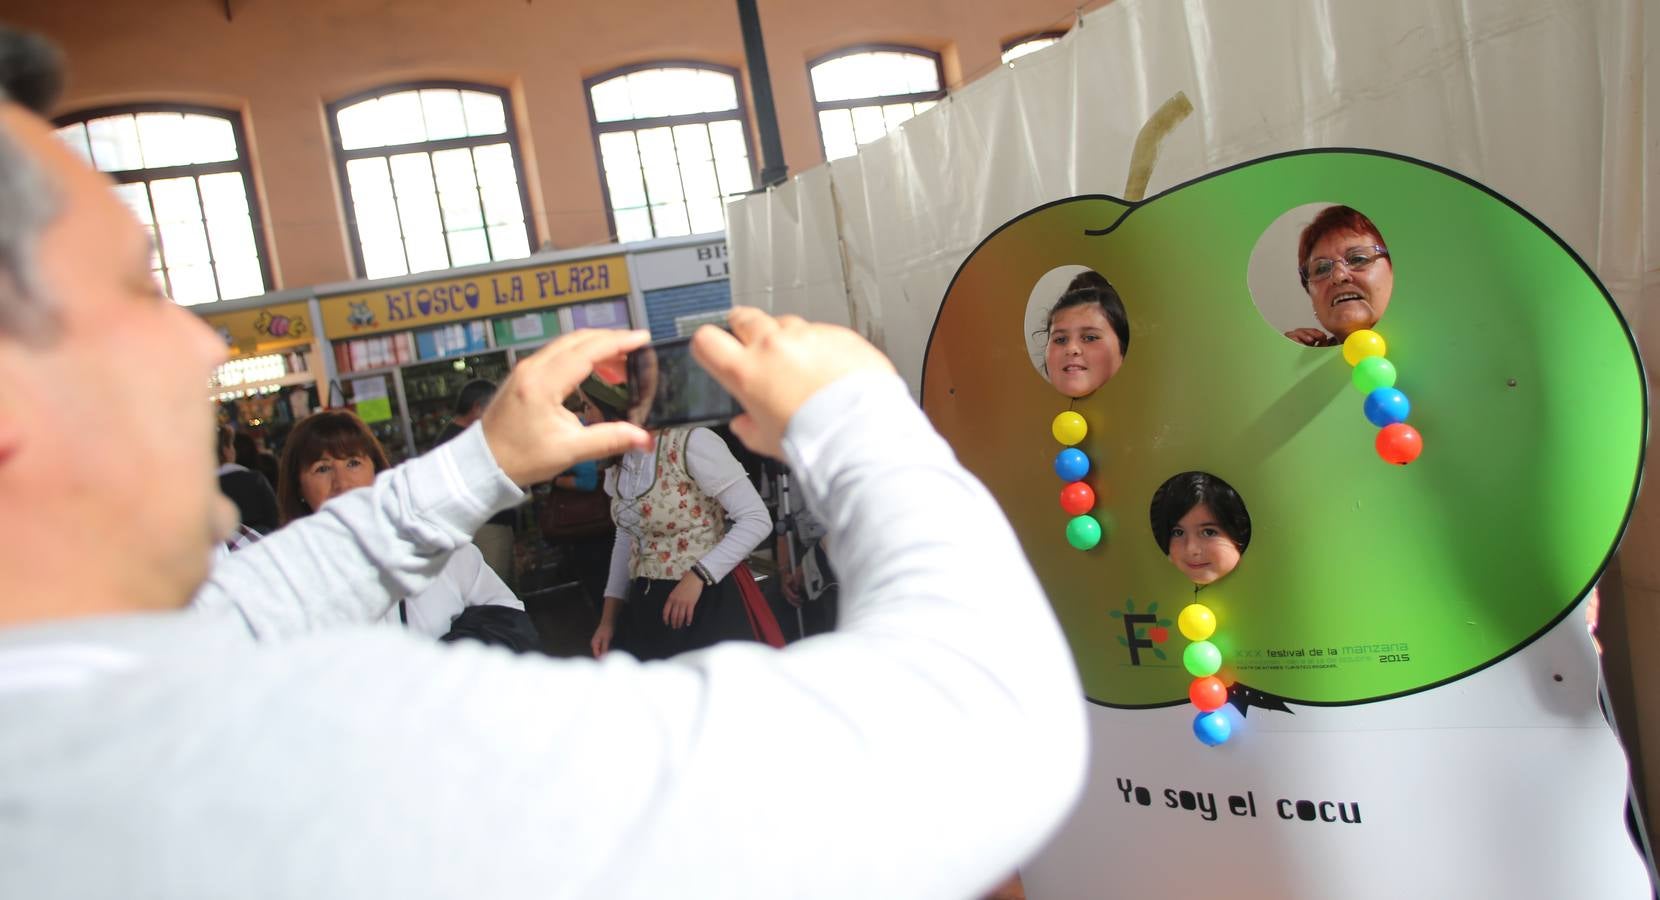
column 1344, row 265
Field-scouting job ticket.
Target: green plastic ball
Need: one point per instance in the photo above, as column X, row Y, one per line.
column 1201, row 658
column 1372, row 373
column 1083, row 532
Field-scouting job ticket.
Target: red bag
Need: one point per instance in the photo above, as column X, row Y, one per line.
column 761, row 619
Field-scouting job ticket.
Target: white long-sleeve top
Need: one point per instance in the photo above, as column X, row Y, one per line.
column 719, row 475
column 171, row 755
column 466, row 580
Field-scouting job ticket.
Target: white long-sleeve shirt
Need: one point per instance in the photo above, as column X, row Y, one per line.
column 466, row 580
column 920, row 752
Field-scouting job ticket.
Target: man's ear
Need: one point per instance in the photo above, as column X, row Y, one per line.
column 10, row 439
column 16, row 363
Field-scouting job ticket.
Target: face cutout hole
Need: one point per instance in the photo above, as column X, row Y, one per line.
column 1200, row 523
column 1077, row 331
column 1345, row 261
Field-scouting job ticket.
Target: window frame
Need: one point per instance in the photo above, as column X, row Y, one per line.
column 243, row 164
column 342, row 156
column 1034, row 36
column 880, row 100
column 597, row 128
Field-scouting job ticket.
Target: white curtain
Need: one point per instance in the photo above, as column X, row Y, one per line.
column 1541, row 100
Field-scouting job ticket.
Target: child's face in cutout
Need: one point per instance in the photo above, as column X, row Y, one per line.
column 1083, row 351
column 1200, row 548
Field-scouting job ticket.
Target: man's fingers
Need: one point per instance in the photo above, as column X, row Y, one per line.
column 721, row 355
column 745, row 429
column 750, row 324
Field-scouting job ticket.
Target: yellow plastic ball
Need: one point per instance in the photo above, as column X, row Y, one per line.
column 1069, row 428
column 1362, row 344
column 1196, row 622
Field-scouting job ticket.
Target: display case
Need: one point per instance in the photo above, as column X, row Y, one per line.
column 432, row 389
column 377, row 400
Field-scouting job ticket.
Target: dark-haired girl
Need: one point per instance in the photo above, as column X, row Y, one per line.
column 1087, row 335
column 1200, row 522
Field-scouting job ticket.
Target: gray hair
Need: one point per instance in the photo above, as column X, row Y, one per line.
column 30, row 75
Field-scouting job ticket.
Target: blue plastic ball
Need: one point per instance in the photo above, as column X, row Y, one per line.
column 1071, row 464
column 1386, row 406
column 1212, row 728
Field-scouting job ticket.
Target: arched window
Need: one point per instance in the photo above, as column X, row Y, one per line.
column 1030, row 43
column 183, row 170
column 672, row 146
column 432, row 177
column 862, row 93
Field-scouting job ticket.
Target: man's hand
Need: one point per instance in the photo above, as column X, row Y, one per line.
column 772, row 366
column 529, row 430
column 678, row 609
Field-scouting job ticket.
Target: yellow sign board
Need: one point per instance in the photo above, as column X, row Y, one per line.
column 267, row 329
column 458, row 299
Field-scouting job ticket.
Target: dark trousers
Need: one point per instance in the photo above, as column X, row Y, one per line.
column 718, row 616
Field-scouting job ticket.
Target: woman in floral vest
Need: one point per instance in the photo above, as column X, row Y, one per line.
column 672, row 587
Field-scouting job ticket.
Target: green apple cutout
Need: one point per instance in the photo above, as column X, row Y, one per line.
column 1363, row 580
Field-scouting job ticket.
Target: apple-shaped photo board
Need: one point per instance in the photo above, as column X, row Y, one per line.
column 1363, row 580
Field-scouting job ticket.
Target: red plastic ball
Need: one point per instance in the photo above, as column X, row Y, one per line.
column 1208, row 693
column 1399, row 443
column 1077, row 498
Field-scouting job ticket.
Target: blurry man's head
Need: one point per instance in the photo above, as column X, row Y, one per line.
column 475, row 396
column 89, row 342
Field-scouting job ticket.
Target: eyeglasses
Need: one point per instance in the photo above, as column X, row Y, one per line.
column 1354, row 259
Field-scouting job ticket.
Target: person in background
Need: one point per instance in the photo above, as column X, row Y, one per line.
column 673, row 583
column 495, row 538
column 575, row 515
column 250, row 455
column 332, row 452
column 249, row 490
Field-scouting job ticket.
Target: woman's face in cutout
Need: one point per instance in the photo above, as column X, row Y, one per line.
column 1083, row 351
column 1200, row 548
column 1349, row 300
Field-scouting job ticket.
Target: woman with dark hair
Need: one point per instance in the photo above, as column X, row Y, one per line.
column 673, row 585
column 1086, row 336
column 332, row 452
column 1344, row 266
column 1200, row 522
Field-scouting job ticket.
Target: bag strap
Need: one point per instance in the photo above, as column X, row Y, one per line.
column 761, row 620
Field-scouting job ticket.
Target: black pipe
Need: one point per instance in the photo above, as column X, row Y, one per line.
column 773, row 170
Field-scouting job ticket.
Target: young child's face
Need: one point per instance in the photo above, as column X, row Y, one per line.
column 1083, row 351
column 1200, row 548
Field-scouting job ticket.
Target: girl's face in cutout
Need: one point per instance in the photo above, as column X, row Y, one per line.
column 1083, row 351
column 1200, row 548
